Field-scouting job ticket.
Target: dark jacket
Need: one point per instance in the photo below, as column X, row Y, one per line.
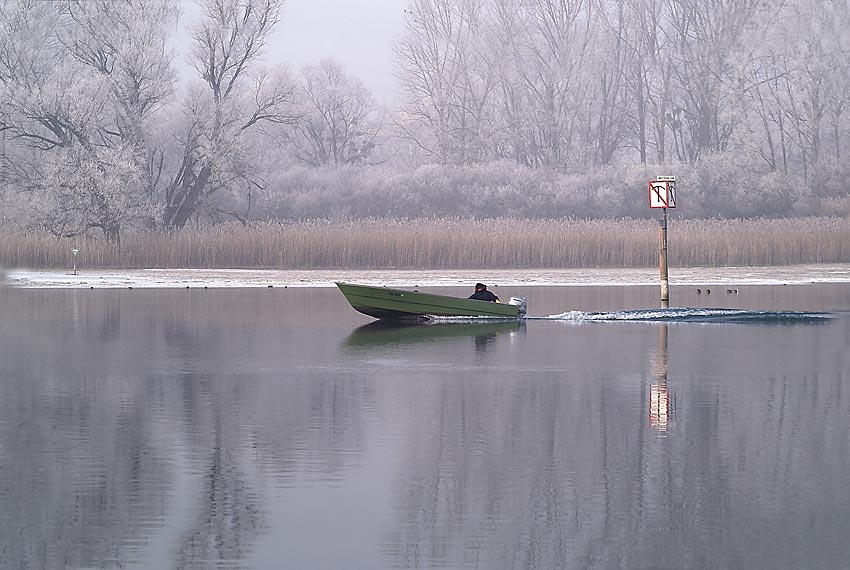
column 484, row 295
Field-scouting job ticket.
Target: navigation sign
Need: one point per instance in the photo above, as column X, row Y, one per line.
column 658, row 195
column 671, row 189
column 662, row 192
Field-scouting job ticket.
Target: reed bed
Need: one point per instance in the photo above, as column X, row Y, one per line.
column 446, row 244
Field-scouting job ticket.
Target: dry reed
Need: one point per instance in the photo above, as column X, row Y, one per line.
column 447, row 244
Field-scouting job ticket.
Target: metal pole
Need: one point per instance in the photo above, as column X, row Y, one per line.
column 662, row 237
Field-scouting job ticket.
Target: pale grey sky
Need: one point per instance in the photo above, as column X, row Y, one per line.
column 359, row 34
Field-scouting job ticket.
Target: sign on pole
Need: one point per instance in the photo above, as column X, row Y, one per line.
column 671, row 189
column 662, row 192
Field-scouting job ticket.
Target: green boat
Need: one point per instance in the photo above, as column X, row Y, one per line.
column 386, row 303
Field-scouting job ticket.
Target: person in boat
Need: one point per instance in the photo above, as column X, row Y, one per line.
column 482, row 294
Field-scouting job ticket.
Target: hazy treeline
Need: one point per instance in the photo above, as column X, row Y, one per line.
column 447, row 244
column 507, row 108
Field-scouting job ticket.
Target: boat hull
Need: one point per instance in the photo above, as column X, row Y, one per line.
column 387, row 303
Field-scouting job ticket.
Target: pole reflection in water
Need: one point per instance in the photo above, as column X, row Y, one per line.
column 659, row 395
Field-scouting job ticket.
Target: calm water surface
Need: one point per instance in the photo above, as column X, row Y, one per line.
column 272, row 428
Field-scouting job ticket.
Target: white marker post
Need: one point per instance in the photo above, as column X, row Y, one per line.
column 75, row 251
column 662, row 194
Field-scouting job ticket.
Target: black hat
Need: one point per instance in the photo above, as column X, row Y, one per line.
column 480, row 286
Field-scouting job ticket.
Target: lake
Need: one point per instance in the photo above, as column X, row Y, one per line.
column 277, row 428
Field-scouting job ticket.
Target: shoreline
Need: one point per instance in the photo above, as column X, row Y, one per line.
column 236, row 278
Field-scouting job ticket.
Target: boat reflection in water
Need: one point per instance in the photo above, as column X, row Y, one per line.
column 389, row 333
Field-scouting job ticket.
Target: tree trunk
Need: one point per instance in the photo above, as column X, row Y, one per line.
column 183, row 198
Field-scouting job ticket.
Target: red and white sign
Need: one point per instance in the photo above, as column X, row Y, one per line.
column 662, row 192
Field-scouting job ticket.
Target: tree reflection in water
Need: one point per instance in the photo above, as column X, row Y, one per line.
column 113, row 450
column 180, row 429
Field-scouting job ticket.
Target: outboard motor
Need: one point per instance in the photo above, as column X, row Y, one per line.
column 519, row 302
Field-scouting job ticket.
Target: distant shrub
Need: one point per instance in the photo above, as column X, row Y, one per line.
column 715, row 187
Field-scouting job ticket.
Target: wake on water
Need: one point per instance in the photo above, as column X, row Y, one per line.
column 690, row 315
column 674, row 315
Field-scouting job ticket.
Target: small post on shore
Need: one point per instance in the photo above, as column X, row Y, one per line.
column 75, row 251
column 662, row 194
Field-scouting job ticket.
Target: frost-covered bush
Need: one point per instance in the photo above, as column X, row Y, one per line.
column 716, row 187
column 831, row 180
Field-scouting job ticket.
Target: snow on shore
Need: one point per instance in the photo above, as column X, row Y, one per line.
column 212, row 278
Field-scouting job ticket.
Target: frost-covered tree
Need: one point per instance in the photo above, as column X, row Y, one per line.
column 712, row 42
column 497, row 78
column 126, row 42
column 646, row 59
column 337, row 122
column 82, row 81
column 550, row 61
column 234, row 97
column 808, row 84
column 447, row 77
column 612, row 79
